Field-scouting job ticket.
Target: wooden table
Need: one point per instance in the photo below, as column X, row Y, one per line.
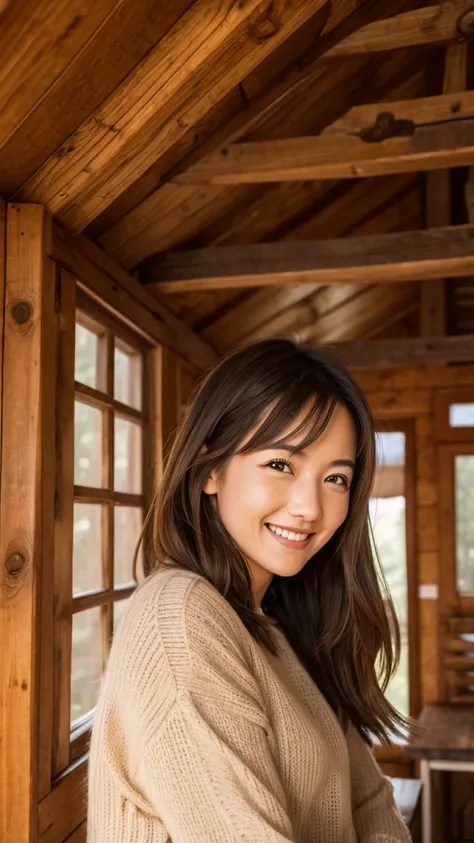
column 444, row 740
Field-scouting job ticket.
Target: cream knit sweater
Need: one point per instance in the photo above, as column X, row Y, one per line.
column 201, row 736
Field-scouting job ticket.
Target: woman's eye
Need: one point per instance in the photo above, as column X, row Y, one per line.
column 338, row 480
column 279, row 465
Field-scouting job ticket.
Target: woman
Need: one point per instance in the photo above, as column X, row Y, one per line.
column 241, row 691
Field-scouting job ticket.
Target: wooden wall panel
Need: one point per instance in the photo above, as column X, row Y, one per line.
column 29, row 327
column 2, row 307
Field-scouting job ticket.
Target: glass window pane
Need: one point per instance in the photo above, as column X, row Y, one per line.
column 388, row 521
column 390, row 473
column 86, row 662
column 120, row 607
column 464, row 526
column 87, row 548
column 128, row 378
column 128, row 456
column 87, row 350
column 390, row 448
column 127, row 525
column 87, row 445
column 461, row 415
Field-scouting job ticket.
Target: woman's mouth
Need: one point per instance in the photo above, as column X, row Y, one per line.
column 289, row 538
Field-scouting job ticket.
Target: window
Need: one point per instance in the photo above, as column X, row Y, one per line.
column 454, row 415
column 110, row 425
column 457, row 525
column 455, row 431
column 393, row 532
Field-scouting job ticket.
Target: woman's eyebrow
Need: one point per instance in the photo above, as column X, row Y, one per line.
column 346, row 463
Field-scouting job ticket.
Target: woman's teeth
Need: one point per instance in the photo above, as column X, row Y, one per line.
column 287, row 534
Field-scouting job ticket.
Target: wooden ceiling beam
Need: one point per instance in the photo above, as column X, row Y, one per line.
column 383, row 258
column 130, row 234
column 429, row 133
column 436, row 24
column 418, row 351
column 365, row 208
column 60, row 61
column 211, row 49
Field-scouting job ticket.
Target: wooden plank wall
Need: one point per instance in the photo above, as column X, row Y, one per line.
column 25, row 519
column 411, row 394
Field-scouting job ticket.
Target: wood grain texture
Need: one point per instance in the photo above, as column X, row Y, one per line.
column 383, row 258
column 407, row 351
column 366, row 207
column 273, row 108
column 359, row 315
column 24, row 443
column 121, row 34
column 209, row 51
column 433, row 317
column 431, row 25
column 38, row 40
column 64, row 809
column 113, row 285
column 422, row 134
column 64, row 522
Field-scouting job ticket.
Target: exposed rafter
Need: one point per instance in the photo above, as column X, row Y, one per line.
column 406, row 351
column 422, row 134
column 385, row 258
column 430, row 25
column 177, row 83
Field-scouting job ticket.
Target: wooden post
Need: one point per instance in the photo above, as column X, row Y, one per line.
column 28, row 380
column 438, row 201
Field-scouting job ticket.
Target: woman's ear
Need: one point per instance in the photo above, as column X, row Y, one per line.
column 210, row 486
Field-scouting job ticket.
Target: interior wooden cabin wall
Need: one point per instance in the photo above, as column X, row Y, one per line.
column 121, row 110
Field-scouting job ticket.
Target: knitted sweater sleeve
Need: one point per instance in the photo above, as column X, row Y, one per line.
column 209, row 769
column 375, row 815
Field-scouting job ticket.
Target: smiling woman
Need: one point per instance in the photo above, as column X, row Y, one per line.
column 241, row 690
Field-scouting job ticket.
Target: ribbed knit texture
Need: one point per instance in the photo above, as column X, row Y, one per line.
column 201, row 736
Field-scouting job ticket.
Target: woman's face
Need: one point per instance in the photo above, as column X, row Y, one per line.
column 282, row 507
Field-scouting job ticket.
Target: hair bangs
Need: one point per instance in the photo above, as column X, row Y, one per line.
column 283, row 426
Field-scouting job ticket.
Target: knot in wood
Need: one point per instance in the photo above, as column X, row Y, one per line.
column 264, row 26
column 465, row 25
column 15, row 564
column 387, row 126
column 21, row 312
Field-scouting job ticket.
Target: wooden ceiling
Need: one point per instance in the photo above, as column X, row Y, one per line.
column 156, row 127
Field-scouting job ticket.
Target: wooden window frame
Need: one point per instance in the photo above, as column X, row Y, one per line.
column 450, row 599
column 396, row 754
column 70, row 741
column 443, row 399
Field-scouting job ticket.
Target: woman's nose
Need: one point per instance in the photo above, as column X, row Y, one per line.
column 305, row 501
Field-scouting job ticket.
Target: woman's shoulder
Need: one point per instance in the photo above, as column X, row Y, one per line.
column 178, row 601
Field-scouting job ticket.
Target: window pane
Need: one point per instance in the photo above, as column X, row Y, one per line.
column 86, row 662
column 461, row 415
column 464, row 507
column 127, row 526
column 120, row 608
column 128, row 378
column 87, row 349
column 87, row 553
column 388, row 520
column 388, row 517
column 128, row 456
column 87, row 446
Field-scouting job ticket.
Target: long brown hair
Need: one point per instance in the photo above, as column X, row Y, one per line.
column 336, row 612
